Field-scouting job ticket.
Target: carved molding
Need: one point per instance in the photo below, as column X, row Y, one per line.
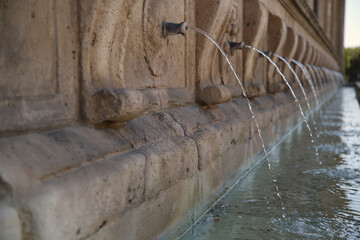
column 255, row 26
column 213, row 18
column 289, row 50
column 302, row 13
column 277, row 35
column 126, row 59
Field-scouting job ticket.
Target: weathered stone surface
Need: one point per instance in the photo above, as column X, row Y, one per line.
column 10, row 225
column 77, row 204
column 156, row 158
column 277, row 33
column 168, row 162
column 215, row 94
column 57, row 151
column 255, row 90
column 149, row 128
column 189, row 118
column 207, row 141
column 255, row 25
column 167, row 210
column 120, row 105
column 38, row 64
column 276, row 87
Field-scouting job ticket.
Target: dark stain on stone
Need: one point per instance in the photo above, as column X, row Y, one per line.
column 103, row 224
column 93, row 41
column 27, row 224
column 5, row 189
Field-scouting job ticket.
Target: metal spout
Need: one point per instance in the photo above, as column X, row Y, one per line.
column 169, row 28
column 229, row 47
column 236, row 45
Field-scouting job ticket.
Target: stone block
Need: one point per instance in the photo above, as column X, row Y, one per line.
column 207, row 140
column 232, row 110
column 79, row 203
column 222, row 149
column 168, row 210
column 149, row 128
column 190, row 118
column 233, row 137
column 168, row 162
column 266, row 102
column 48, row 154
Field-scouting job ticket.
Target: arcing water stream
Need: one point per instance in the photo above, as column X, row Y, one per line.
column 289, row 86
column 250, row 108
column 322, row 200
column 297, row 79
column 307, row 75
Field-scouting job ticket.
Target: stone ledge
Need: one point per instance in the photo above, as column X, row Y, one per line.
column 180, row 160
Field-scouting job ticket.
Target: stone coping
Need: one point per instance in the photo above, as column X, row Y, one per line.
column 151, row 177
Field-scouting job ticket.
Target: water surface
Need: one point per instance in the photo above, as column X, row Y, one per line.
column 321, row 194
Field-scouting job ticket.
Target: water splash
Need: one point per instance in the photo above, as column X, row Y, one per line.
column 307, row 75
column 297, row 79
column 250, row 108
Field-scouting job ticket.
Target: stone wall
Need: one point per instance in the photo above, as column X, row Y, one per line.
column 109, row 129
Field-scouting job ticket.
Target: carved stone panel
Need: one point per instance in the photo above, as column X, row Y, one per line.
column 217, row 18
column 38, row 64
column 126, row 54
column 276, row 40
column 221, row 71
column 299, row 55
column 306, row 61
column 289, row 51
column 255, row 25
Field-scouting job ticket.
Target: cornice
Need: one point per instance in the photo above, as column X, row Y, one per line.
column 306, row 17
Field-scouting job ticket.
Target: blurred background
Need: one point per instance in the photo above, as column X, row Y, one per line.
column 352, row 40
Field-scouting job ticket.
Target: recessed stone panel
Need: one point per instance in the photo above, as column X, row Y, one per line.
column 28, row 49
column 38, row 69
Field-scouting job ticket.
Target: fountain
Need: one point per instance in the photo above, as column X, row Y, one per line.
column 307, row 75
column 289, row 86
column 240, row 46
column 117, row 108
column 297, row 79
